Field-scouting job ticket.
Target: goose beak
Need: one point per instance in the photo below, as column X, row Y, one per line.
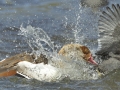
column 92, row 61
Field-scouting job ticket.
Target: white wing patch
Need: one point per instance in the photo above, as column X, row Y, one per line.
column 42, row 72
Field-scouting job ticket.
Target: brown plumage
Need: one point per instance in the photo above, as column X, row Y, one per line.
column 8, row 65
column 77, row 51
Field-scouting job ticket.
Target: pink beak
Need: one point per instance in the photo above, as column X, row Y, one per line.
column 92, row 61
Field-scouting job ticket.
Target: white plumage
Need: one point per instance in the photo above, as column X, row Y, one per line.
column 42, row 72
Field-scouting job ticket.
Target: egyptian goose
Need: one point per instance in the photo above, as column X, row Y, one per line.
column 54, row 69
column 77, row 51
column 109, row 38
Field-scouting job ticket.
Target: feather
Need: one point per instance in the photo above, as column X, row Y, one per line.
column 41, row 71
column 109, row 28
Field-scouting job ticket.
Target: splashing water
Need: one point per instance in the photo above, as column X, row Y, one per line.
column 81, row 69
column 83, row 25
column 76, row 30
column 75, row 25
column 75, row 69
column 37, row 40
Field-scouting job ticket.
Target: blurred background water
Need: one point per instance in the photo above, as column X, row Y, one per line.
column 64, row 21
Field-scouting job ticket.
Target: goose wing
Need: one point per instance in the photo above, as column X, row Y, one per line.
column 109, row 29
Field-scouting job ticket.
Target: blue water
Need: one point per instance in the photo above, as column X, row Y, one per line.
column 61, row 20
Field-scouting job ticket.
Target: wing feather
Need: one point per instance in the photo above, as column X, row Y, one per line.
column 109, row 28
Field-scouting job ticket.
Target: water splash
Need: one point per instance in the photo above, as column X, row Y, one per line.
column 81, row 24
column 77, row 29
column 74, row 69
column 75, row 25
column 37, row 39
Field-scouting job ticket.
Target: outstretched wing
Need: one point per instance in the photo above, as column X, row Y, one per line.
column 109, row 28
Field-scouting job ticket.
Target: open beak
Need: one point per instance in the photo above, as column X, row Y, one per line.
column 92, row 61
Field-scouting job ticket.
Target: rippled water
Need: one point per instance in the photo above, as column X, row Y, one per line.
column 65, row 21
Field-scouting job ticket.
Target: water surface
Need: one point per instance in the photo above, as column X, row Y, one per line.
column 64, row 21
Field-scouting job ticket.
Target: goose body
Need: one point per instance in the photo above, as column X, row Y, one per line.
column 54, row 69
